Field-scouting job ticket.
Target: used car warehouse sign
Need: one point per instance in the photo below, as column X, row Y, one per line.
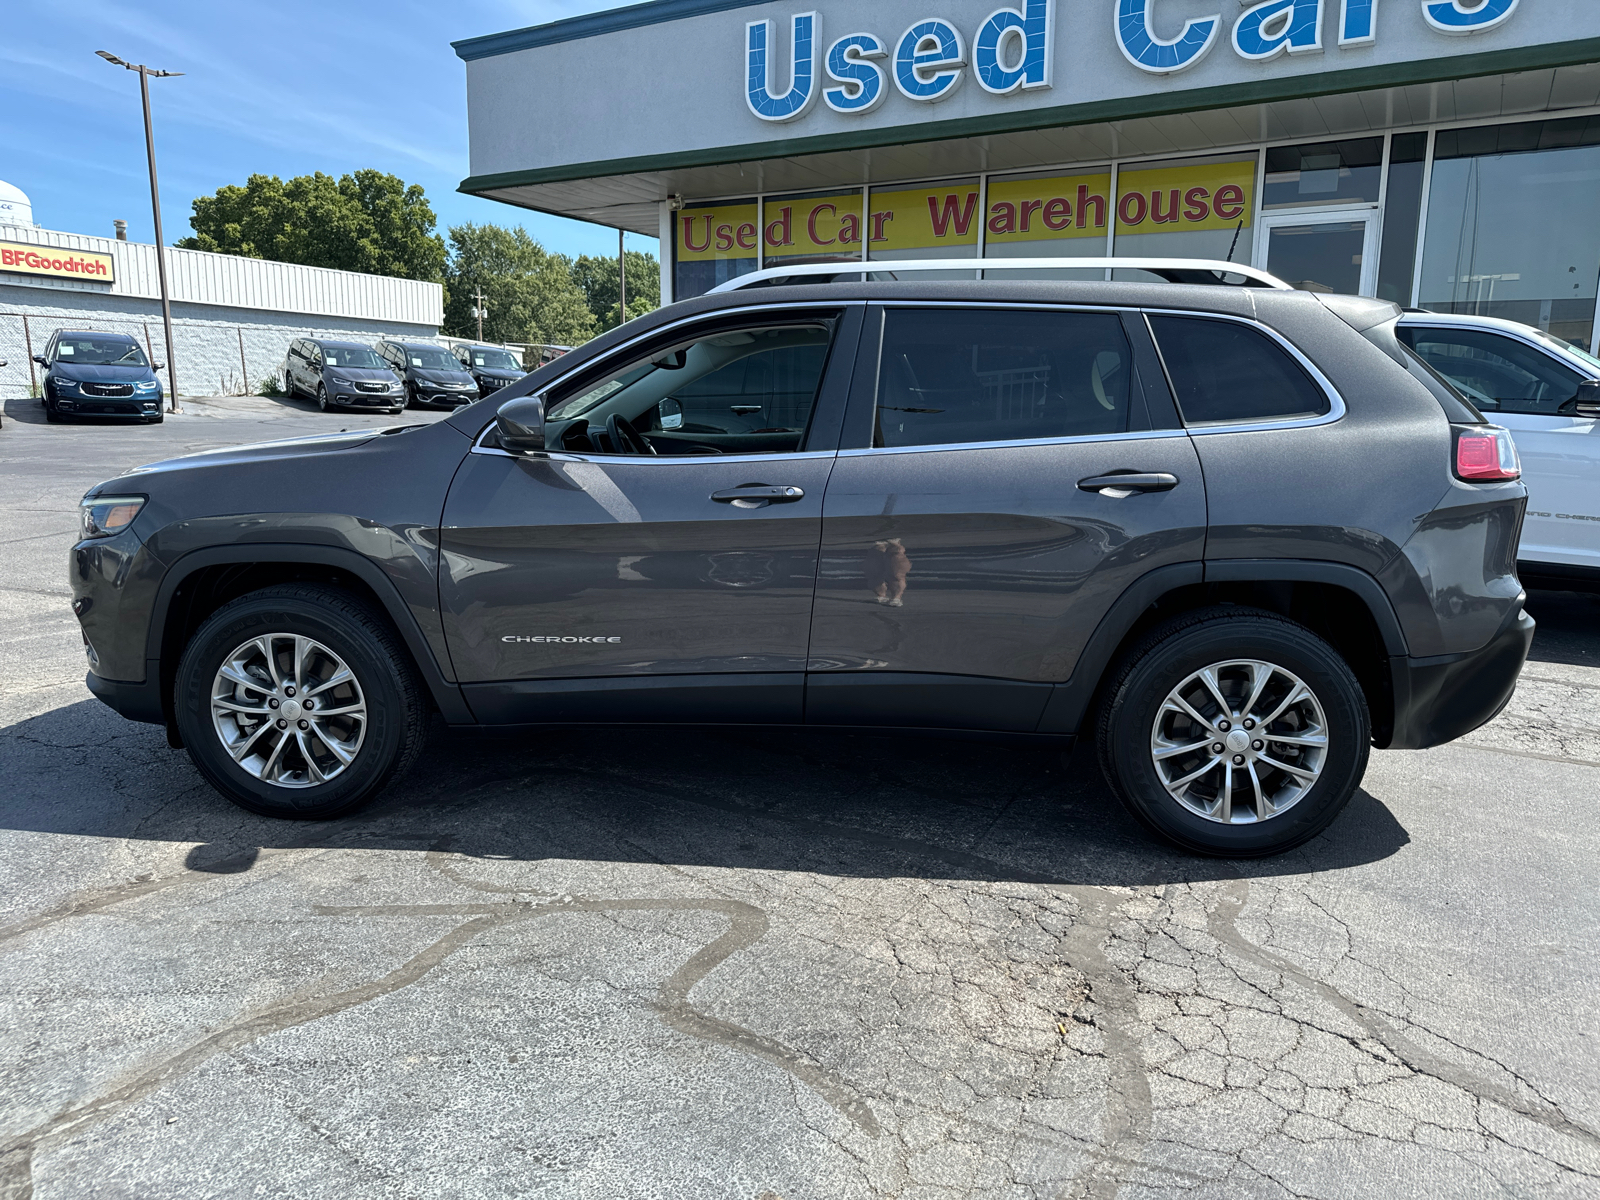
column 1012, row 48
column 1017, row 211
column 62, row 264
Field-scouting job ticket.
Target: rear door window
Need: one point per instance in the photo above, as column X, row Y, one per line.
column 950, row 376
column 1498, row 373
column 1224, row 372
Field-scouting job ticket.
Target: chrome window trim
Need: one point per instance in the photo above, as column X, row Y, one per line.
column 1336, row 410
column 604, row 459
column 1135, row 435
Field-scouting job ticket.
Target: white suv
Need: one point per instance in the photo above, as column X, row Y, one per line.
column 1547, row 392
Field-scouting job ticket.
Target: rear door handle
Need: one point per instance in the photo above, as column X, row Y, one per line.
column 758, row 495
column 1120, row 486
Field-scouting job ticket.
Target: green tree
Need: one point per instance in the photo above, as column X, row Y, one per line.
column 367, row 221
column 596, row 275
column 529, row 292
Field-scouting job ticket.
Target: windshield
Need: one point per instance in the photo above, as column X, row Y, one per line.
column 354, row 357
column 100, row 352
column 430, row 359
column 1576, row 351
column 496, row 360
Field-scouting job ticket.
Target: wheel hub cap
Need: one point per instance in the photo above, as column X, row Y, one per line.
column 288, row 710
column 1239, row 742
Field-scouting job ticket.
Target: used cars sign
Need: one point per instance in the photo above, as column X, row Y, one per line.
column 52, row 261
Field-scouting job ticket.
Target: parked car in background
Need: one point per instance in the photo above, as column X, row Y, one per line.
column 492, row 366
column 340, row 375
column 431, row 376
column 1547, row 392
column 100, row 375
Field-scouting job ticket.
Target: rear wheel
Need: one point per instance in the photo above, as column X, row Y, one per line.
column 298, row 701
column 1234, row 732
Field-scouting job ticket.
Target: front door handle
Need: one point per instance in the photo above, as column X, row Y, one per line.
column 759, row 495
column 1120, row 486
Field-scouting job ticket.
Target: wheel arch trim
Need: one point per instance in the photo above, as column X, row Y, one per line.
column 446, row 694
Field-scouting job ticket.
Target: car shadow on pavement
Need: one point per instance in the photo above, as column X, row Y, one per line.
column 852, row 805
column 25, row 410
column 1568, row 622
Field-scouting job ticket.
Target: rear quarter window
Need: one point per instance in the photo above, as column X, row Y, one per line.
column 1224, row 373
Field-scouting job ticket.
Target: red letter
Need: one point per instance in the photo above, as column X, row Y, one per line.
column 1132, row 208
column 724, row 237
column 1229, row 202
column 877, row 224
column 1155, row 208
column 1057, row 214
column 1099, row 202
column 850, row 228
column 1026, row 210
column 747, row 230
column 1004, row 219
column 780, row 232
column 811, row 225
column 1195, row 206
column 943, row 218
column 688, row 236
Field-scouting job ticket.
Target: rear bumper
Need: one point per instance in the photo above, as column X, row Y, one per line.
column 1437, row 700
column 136, row 701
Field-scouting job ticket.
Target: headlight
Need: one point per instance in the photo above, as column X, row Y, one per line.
column 149, row 385
column 103, row 516
column 65, row 385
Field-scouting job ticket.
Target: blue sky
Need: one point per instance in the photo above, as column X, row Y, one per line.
column 283, row 89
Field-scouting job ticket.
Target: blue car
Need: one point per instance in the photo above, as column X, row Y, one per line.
column 100, row 375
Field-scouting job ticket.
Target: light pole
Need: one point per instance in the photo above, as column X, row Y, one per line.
column 483, row 307
column 155, row 206
column 622, row 279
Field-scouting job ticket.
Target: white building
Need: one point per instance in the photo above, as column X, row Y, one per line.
column 232, row 316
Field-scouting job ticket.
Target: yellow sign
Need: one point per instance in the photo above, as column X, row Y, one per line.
column 59, row 264
column 1186, row 199
column 1181, row 199
column 1030, row 210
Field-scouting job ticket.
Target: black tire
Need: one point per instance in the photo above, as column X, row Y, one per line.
column 289, row 390
column 395, row 702
column 322, row 397
column 1162, row 661
column 411, row 397
column 155, row 420
column 52, row 416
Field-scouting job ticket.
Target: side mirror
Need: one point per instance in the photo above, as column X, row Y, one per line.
column 1587, row 402
column 39, row 358
column 520, row 423
column 670, row 413
column 158, row 366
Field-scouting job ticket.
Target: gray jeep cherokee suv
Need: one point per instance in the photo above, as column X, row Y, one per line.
column 1238, row 536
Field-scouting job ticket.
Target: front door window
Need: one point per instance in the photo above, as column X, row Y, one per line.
column 1499, row 374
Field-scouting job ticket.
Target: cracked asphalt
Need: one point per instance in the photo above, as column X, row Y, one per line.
column 768, row 966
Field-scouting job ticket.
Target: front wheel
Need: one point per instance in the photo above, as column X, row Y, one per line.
column 298, row 701
column 1234, row 732
column 322, row 397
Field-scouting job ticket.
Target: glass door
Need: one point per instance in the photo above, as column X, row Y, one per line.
column 1323, row 251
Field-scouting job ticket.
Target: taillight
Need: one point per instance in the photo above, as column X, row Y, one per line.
column 1486, row 454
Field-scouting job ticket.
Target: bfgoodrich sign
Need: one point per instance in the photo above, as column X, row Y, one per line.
column 60, row 264
column 1013, row 49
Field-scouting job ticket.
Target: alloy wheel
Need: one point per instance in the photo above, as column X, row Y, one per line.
column 1240, row 742
column 288, row 710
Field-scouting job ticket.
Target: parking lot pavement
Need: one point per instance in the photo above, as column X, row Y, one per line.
column 770, row 966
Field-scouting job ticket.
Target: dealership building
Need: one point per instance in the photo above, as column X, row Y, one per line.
column 1438, row 153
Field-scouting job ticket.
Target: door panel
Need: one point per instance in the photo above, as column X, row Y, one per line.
column 633, row 551
column 1561, row 466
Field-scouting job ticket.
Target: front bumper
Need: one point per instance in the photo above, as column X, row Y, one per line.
column 1437, row 700
column 368, row 399
column 138, row 701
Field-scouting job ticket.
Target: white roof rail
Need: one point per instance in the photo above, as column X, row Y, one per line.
column 1173, row 270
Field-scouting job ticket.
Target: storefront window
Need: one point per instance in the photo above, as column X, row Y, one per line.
column 1511, row 227
column 1324, row 173
column 1048, row 216
column 713, row 244
column 1402, row 209
column 935, row 221
column 1187, row 209
column 813, row 228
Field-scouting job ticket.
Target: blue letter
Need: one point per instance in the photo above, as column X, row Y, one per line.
column 759, row 37
column 928, row 61
column 1032, row 31
column 1358, row 23
column 1143, row 49
column 1447, row 16
column 849, row 62
column 1272, row 27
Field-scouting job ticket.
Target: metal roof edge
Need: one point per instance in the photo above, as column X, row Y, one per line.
column 633, row 16
column 1357, row 79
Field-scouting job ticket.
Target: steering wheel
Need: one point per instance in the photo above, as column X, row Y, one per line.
column 622, row 434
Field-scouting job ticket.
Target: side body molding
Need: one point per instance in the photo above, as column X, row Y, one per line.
column 445, row 694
